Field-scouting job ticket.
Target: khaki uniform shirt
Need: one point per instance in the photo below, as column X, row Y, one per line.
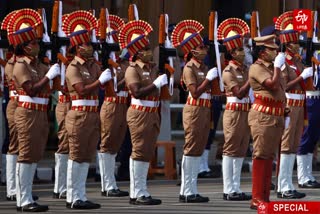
column 289, row 73
column 142, row 74
column 233, row 75
column 27, row 70
column 194, row 73
column 258, row 73
column 81, row 71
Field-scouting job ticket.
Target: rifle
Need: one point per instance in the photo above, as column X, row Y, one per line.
column 2, row 65
column 316, row 68
column 214, row 53
column 311, row 46
column 59, row 42
column 164, row 53
column 106, row 49
column 53, row 49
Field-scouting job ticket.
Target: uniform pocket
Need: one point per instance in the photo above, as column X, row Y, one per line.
column 266, row 120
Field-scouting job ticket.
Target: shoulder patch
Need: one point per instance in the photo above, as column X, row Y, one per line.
column 227, row 68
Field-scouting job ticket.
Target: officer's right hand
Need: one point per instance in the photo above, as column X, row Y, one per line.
column 307, row 72
column 161, row 81
column 212, row 74
column 53, row 71
column 279, row 60
column 105, row 76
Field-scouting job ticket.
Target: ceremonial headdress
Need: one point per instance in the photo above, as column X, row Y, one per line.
column 231, row 32
column 186, row 34
column 22, row 25
column 284, row 23
column 4, row 26
column 115, row 24
column 78, row 25
column 133, row 36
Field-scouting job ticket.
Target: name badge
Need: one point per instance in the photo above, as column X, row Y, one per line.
column 86, row 73
column 34, row 71
column 145, row 73
column 293, row 67
column 239, row 77
column 200, row 73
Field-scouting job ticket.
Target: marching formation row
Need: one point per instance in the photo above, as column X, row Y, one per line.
column 273, row 116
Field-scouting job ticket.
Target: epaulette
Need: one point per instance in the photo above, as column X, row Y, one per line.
column 190, row 64
column 74, row 62
column 227, row 68
column 20, row 60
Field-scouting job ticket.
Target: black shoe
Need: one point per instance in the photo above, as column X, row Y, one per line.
column 290, row 194
column 59, row 195
column 34, row 207
column 143, row 200
column 209, row 174
column 310, row 184
column 13, row 198
column 272, row 186
column 115, row 193
column 196, row 198
column 83, row 205
column 236, row 197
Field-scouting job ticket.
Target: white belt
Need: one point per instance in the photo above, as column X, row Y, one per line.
column 85, row 102
column 37, row 100
column 122, row 94
column 295, row 96
column 237, row 100
column 13, row 93
column 206, row 96
column 146, row 103
column 313, row 93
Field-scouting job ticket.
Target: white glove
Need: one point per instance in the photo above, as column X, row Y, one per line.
column 161, row 81
column 105, row 76
column 53, row 71
column 307, row 72
column 212, row 74
column 279, row 60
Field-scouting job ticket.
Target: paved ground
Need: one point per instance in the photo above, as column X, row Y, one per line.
column 165, row 190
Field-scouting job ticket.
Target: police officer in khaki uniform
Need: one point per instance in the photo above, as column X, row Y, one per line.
column 266, row 117
column 235, row 118
column 82, row 121
column 294, row 75
column 143, row 113
column 113, row 122
column 31, row 82
column 12, row 154
column 196, row 113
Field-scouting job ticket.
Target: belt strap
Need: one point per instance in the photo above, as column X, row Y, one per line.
column 237, row 100
column 85, row 102
column 36, row 100
column 146, row 103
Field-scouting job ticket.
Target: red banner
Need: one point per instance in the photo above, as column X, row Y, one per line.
column 292, row 207
column 302, row 20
